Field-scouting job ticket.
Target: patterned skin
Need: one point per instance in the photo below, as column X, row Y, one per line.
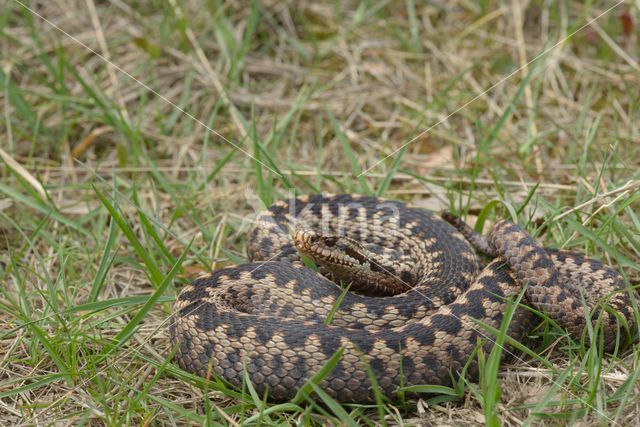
column 267, row 320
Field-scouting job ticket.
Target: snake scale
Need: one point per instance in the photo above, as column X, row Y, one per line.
column 417, row 290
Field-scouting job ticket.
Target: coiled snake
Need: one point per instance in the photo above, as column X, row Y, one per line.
column 277, row 322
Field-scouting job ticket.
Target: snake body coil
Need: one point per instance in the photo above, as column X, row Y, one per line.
column 277, row 322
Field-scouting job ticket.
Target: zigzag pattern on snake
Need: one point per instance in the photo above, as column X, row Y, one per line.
column 267, row 319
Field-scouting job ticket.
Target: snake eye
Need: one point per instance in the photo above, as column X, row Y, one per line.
column 330, row 241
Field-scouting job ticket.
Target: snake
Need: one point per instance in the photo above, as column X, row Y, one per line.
column 381, row 295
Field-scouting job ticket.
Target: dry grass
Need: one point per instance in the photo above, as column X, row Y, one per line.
column 164, row 107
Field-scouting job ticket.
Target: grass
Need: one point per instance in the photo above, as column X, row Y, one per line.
column 115, row 192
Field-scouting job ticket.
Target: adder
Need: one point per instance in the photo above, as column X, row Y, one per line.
column 417, row 291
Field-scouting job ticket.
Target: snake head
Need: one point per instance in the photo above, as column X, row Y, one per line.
column 330, row 250
column 350, row 262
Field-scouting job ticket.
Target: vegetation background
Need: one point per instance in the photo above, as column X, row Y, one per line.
column 138, row 137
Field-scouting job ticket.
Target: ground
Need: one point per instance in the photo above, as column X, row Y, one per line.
column 140, row 138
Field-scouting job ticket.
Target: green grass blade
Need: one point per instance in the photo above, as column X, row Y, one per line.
column 351, row 156
column 551, row 393
column 179, row 409
column 392, row 170
column 334, row 406
column 105, row 263
column 49, row 345
column 484, row 214
column 34, row 384
column 486, row 143
column 131, row 327
column 304, row 391
column 96, row 306
column 275, row 409
column 43, row 209
column 150, row 231
column 336, row 305
column 377, row 393
column 612, row 251
column 220, row 164
column 432, row 389
column 154, row 272
column 489, row 383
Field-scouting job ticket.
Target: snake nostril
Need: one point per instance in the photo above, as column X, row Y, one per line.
column 303, row 236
